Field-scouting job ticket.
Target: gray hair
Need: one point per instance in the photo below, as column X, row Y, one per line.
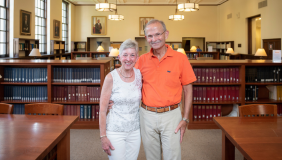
column 129, row 43
column 155, row 21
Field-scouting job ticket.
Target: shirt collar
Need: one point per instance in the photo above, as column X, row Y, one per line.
column 169, row 52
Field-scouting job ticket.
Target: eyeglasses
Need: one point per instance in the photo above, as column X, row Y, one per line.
column 157, row 35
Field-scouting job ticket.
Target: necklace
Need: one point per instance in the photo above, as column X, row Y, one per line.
column 123, row 75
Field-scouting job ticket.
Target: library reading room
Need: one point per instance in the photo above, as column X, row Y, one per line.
column 70, row 70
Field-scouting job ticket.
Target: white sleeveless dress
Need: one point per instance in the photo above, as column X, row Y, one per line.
column 124, row 115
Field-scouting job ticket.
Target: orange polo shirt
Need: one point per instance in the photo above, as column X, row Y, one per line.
column 163, row 80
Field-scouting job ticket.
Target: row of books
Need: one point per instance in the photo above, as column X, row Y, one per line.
column 18, row 109
column 76, row 75
column 98, row 55
column 207, row 55
column 25, row 46
column 27, row 75
column 228, row 93
column 216, row 75
column 80, row 46
column 192, row 55
column 76, row 93
column 25, row 93
column 263, row 74
column 206, row 112
column 275, row 92
column 83, row 111
column 251, row 93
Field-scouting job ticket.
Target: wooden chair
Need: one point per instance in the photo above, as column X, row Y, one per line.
column 6, row 108
column 258, row 110
column 44, row 109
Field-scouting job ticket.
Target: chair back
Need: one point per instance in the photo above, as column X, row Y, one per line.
column 6, row 108
column 258, row 110
column 44, row 109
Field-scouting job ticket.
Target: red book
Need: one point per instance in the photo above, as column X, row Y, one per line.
column 211, row 112
column 65, row 93
column 93, row 111
column 69, row 93
column 229, row 93
column 234, row 75
column 78, row 110
column 203, row 112
column 72, row 93
column 207, row 112
column 195, row 112
column 55, row 93
column 199, row 73
column 195, row 93
column 224, row 75
column 218, row 111
column 71, row 110
column 76, row 93
column 65, row 109
column 200, row 93
column 214, row 111
column 217, row 75
column 85, row 93
column 199, row 112
column 74, row 110
column 204, row 97
column 88, row 94
column 233, row 93
column 221, row 75
column 214, row 75
column 208, row 92
column 227, row 75
column 99, row 93
column 220, row 92
column 61, row 93
column 237, row 75
column 216, row 95
column 210, row 75
column 237, row 93
column 212, row 94
column 231, row 75
column 97, row 109
column 195, row 70
column 207, row 75
column 225, row 94
column 203, row 80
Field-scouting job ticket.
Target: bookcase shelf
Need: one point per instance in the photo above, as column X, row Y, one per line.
column 76, row 84
column 226, row 106
column 104, row 69
column 194, row 55
column 22, row 46
column 220, row 46
column 93, row 55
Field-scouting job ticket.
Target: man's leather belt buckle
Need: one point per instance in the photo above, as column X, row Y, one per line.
column 160, row 109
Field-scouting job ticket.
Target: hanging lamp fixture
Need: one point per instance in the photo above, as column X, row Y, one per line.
column 116, row 17
column 188, row 7
column 104, row 7
column 176, row 17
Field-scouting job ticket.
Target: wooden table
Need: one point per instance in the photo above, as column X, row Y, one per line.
column 27, row 137
column 256, row 138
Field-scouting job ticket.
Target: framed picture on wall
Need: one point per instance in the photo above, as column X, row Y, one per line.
column 142, row 23
column 98, row 25
column 56, row 29
column 25, row 21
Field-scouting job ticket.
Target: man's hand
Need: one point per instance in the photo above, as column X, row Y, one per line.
column 111, row 103
column 182, row 126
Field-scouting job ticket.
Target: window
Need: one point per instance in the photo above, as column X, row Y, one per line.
column 4, row 34
column 65, row 25
column 40, row 24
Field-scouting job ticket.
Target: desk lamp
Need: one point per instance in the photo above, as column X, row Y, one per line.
column 261, row 52
column 34, row 53
column 228, row 52
column 181, row 50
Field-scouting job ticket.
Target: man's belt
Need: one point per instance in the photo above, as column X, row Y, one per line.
column 159, row 109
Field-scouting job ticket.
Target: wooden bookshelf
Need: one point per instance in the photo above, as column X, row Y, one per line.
column 220, row 46
column 57, row 47
column 23, row 47
column 103, row 65
column 89, row 54
column 78, row 46
column 227, row 105
column 194, row 55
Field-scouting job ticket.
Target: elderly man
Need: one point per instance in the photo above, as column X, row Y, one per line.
column 165, row 73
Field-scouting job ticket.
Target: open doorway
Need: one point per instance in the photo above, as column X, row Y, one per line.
column 254, row 34
column 189, row 42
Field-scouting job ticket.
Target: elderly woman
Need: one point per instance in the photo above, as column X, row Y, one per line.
column 120, row 129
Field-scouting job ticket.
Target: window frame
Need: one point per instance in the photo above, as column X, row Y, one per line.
column 66, row 38
column 45, row 17
column 7, row 31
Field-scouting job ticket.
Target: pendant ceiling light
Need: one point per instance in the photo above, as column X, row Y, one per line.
column 106, row 6
column 176, row 17
column 115, row 16
column 188, row 7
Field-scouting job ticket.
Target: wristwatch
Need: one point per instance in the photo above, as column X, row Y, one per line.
column 186, row 120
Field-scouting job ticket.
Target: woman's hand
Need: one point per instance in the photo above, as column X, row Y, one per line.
column 106, row 145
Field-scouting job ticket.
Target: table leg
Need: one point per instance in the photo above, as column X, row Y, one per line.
column 228, row 149
column 63, row 147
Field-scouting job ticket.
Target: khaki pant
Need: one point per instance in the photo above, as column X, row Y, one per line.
column 157, row 131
